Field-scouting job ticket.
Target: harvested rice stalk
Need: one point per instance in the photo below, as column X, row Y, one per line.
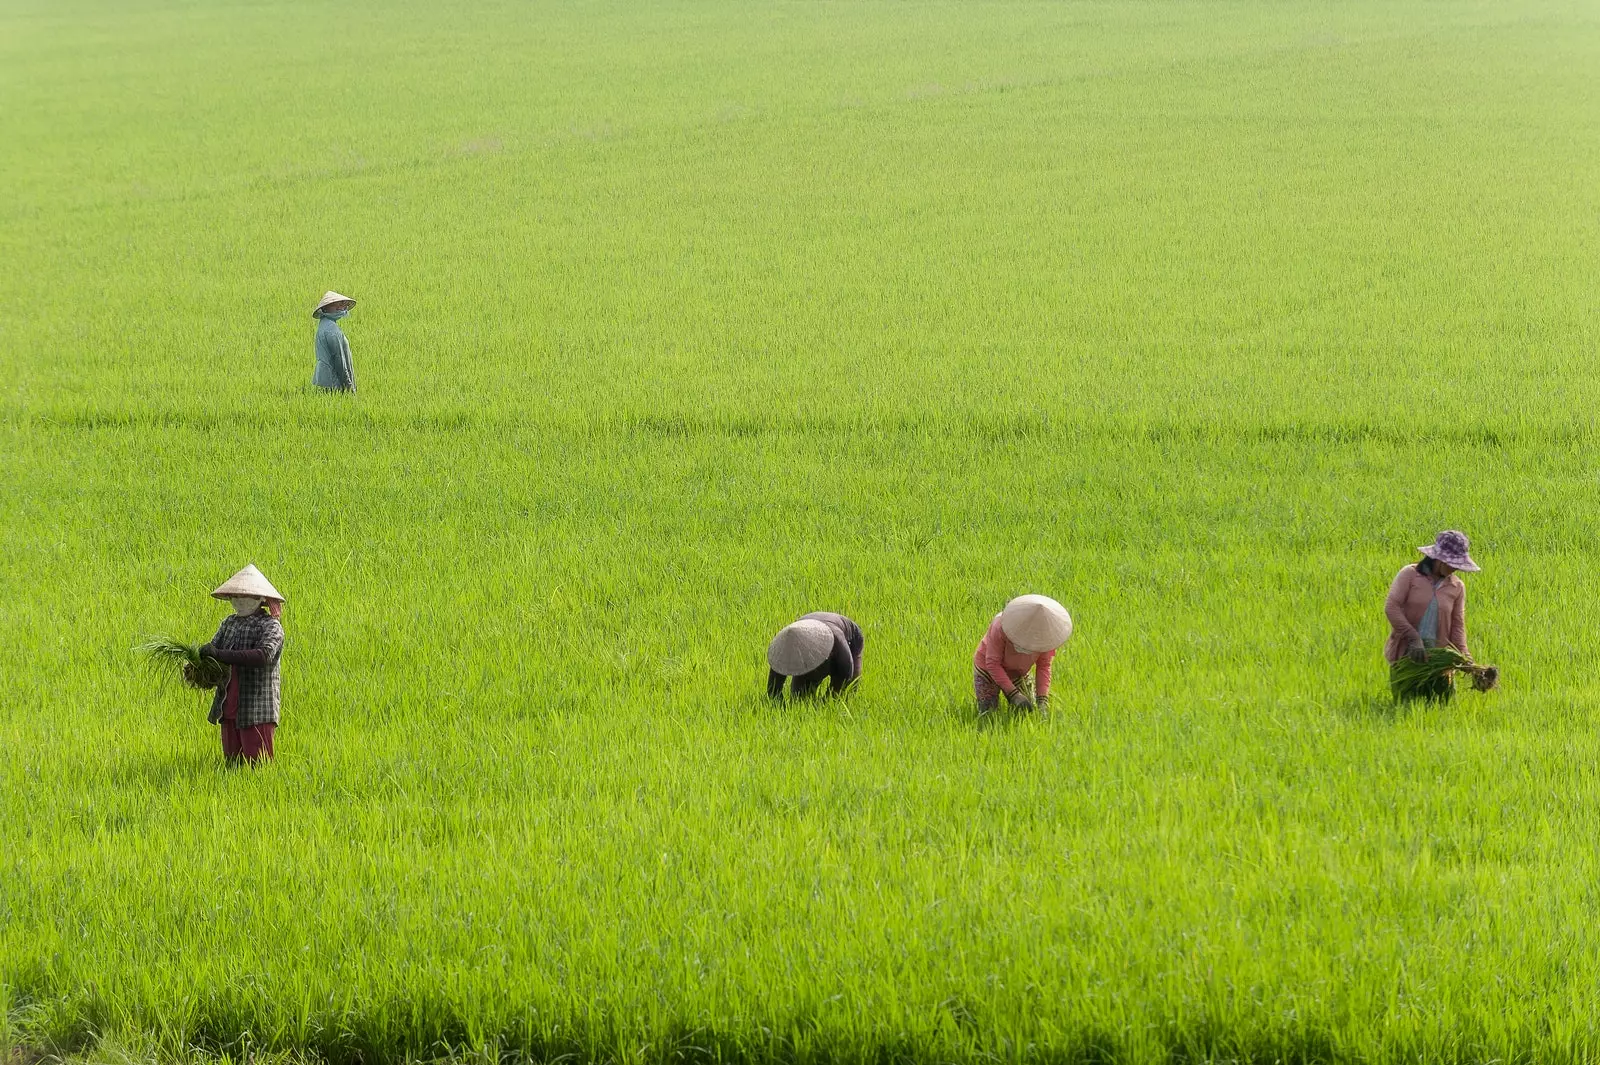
column 198, row 671
column 1436, row 677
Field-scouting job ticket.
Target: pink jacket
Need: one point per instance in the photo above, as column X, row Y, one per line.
column 1408, row 601
column 1006, row 665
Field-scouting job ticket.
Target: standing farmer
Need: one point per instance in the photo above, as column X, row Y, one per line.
column 1022, row 638
column 250, row 643
column 335, row 371
column 1427, row 604
column 820, row 646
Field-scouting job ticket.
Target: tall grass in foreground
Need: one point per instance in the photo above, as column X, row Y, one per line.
column 680, row 321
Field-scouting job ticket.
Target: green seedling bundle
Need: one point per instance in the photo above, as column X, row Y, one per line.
column 198, row 671
column 1435, row 678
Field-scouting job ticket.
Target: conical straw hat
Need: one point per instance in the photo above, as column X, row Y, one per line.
column 247, row 582
column 801, row 647
column 1036, row 623
column 330, row 297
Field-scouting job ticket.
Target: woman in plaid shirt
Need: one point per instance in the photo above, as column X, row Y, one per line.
column 250, row 644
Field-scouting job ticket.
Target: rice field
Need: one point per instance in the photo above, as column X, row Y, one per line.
column 678, row 320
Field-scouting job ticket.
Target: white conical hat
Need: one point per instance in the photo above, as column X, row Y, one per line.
column 801, row 647
column 248, row 582
column 1036, row 623
column 330, row 297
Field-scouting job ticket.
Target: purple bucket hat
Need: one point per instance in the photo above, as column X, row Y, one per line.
column 1451, row 549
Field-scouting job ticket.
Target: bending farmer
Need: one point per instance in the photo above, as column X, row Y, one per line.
column 1022, row 637
column 820, row 646
column 1427, row 604
column 335, row 371
column 250, row 643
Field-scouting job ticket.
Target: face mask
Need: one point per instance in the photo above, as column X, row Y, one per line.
column 245, row 605
column 336, row 314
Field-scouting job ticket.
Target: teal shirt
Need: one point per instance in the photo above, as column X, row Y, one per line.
column 334, row 368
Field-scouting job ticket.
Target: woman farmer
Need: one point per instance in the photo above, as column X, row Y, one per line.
column 1022, row 638
column 335, row 371
column 250, row 642
column 1427, row 604
column 820, row 646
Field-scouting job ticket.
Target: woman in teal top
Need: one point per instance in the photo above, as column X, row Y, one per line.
column 334, row 369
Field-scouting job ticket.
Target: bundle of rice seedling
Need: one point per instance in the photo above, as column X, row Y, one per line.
column 198, row 671
column 1435, row 678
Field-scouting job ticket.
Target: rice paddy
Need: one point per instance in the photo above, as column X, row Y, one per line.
column 679, row 320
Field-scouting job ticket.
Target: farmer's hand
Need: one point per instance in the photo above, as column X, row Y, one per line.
column 207, row 651
column 1020, row 699
column 1044, row 704
column 1417, row 653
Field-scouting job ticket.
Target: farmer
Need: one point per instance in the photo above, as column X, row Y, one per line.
column 820, row 646
column 1427, row 604
column 250, row 643
column 335, row 371
column 1022, row 637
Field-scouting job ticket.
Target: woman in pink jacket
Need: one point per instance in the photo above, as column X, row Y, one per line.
column 1427, row 604
column 1021, row 639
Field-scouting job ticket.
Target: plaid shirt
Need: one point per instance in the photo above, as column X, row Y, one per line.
column 258, row 685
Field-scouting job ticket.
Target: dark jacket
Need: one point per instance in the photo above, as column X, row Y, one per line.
column 843, row 667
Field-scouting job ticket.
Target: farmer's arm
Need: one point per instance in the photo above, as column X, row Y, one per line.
column 994, row 657
column 774, row 684
column 1394, row 609
column 347, row 366
column 1458, row 624
column 857, row 641
column 841, row 665
column 265, row 653
column 272, row 640
column 1042, row 675
column 255, row 656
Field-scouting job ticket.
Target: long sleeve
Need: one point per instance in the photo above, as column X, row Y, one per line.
column 262, row 632
column 255, row 656
column 1458, row 623
column 349, row 368
column 1042, row 673
column 841, row 665
column 994, row 657
column 856, row 640
column 272, row 640
column 775, row 684
column 1394, row 609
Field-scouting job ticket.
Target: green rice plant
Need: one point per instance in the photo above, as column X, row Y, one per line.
column 679, row 320
column 1435, row 676
column 198, row 671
